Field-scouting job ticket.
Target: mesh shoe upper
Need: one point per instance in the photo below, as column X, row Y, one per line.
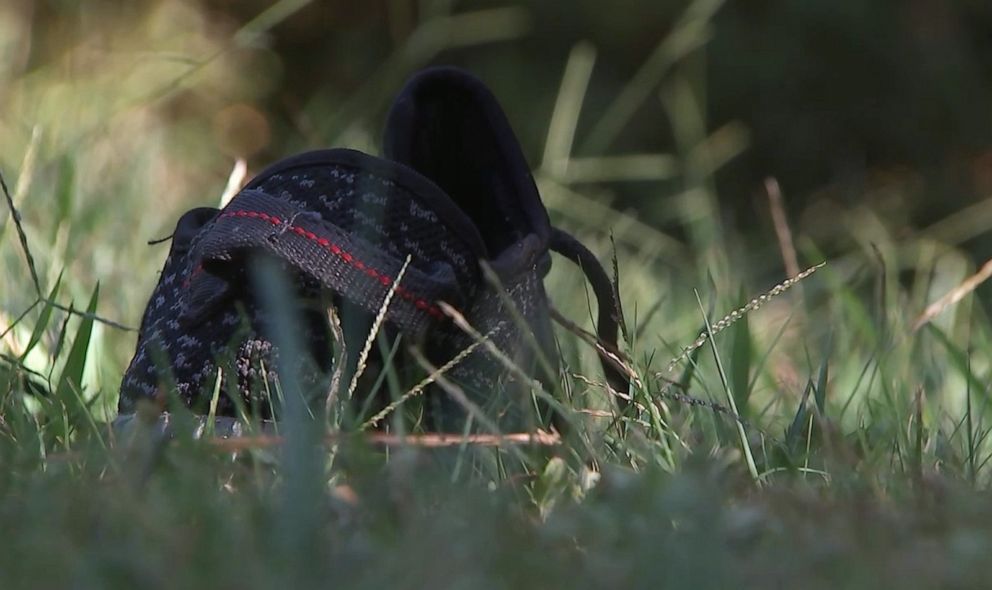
column 343, row 222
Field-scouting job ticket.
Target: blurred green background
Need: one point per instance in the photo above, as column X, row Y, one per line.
column 657, row 120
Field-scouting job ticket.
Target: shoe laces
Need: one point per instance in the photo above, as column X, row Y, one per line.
column 610, row 314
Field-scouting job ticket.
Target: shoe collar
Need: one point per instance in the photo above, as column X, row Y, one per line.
column 424, row 190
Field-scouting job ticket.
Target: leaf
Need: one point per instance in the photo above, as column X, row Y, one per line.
column 740, row 363
column 69, row 389
column 959, row 358
column 820, row 393
column 798, row 426
column 64, row 190
column 550, row 485
column 43, row 319
column 60, row 342
column 690, row 367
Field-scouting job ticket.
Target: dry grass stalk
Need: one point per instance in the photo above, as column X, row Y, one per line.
column 954, row 296
column 16, row 217
column 234, row 182
column 602, row 348
column 420, row 387
column 782, row 230
column 340, row 358
column 738, row 313
column 363, row 356
column 458, row 394
column 486, row 340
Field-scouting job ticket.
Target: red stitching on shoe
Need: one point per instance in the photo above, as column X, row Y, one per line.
column 377, row 275
column 192, row 274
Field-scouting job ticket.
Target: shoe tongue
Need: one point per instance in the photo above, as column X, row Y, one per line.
column 449, row 127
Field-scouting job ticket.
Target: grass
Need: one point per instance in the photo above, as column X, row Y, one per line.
column 861, row 456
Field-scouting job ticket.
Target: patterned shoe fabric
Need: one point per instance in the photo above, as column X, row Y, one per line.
column 343, row 223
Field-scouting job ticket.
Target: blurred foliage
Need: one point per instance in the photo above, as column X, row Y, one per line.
column 873, row 102
column 839, row 102
column 833, row 96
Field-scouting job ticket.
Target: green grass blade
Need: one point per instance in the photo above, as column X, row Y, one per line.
column 795, row 429
column 742, row 434
column 820, row 392
column 42, row 324
column 958, row 357
column 71, row 379
column 740, row 362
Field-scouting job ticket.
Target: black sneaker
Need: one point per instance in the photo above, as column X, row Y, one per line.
column 342, row 223
column 447, row 125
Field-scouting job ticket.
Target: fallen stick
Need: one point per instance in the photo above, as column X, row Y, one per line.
column 954, row 295
column 431, row 441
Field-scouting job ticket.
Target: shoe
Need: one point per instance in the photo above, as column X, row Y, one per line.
column 448, row 126
column 342, row 224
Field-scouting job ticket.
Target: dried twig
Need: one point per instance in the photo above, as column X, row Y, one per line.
column 340, row 358
column 954, row 295
column 431, row 441
column 782, row 230
column 16, row 216
column 234, row 182
column 89, row 316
